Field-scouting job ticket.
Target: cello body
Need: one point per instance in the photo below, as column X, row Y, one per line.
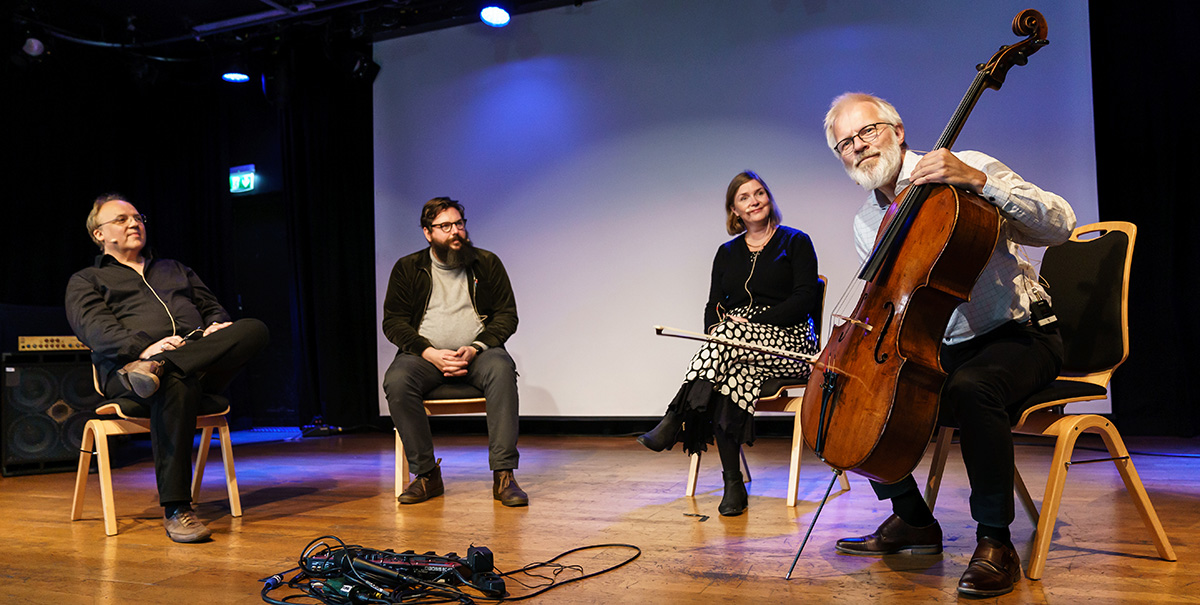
column 871, row 404
column 885, row 400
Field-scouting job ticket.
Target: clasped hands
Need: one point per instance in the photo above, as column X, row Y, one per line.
column 173, row 342
column 450, row 363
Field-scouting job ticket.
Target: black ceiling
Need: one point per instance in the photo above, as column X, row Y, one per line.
column 185, row 29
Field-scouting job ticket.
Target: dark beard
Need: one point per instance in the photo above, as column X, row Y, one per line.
column 455, row 259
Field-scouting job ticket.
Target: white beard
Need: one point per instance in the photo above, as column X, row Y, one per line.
column 881, row 172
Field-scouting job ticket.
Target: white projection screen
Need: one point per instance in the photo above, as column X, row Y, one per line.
column 592, row 146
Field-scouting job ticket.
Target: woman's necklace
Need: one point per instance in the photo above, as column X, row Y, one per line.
column 753, row 246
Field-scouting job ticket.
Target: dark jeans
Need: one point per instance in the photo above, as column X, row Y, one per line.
column 201, row 366
column 410, row 377
column 990, row 376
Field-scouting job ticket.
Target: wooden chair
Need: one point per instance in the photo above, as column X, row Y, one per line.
column 774, row 397
column 129, row 417
column 446, row 399
column 1088, row 280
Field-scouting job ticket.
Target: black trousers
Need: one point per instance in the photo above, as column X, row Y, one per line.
column 199, row 367
column 989, row 377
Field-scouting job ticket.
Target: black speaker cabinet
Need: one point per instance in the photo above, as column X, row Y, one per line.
column 47, row 399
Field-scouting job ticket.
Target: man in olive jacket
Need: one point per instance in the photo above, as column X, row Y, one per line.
column 450, row 308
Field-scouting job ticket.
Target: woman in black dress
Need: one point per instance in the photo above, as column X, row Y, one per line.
column 764, row 287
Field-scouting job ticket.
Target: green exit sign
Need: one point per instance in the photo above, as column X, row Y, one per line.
column 241, row 179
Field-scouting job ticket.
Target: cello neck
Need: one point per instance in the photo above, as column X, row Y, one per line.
column 1029, row 23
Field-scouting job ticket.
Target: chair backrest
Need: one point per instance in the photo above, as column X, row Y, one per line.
column 818, row 317
column 1088, row 282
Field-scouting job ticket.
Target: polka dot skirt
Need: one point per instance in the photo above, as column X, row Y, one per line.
column 740, row 373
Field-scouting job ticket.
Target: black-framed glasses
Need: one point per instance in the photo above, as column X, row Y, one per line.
column 461, row 224
column 867, row 133
column 123, row 220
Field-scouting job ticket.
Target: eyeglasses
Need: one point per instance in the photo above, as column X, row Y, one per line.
column 867, row 133
column 123, row 220
column 461, row 224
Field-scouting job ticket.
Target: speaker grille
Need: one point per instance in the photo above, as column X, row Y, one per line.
column 47, row 399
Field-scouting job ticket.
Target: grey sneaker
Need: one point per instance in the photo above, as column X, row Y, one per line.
column 184, row 527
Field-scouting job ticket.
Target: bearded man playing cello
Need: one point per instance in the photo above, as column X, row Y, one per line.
column 994, row 355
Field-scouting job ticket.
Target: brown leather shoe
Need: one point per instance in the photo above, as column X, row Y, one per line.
column 506, row 490
column 424, row 487
column 141, row 376
column 993, row 571
column 185, row 527
column 894, row 536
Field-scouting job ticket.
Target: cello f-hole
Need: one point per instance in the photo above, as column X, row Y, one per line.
column 880, row 356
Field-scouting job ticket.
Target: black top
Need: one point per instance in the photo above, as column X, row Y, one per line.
column 117, row 313
column 784, row 279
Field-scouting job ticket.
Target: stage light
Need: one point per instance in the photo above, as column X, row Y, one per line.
column 494, row 16
column 236, row 72
column 33, row 47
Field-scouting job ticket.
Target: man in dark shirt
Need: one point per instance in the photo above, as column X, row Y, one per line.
column 158, row 336
column 450, row 308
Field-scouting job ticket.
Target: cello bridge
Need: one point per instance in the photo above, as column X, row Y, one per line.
column 864, row 326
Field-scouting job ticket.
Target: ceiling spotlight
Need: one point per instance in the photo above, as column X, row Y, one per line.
column 236, row 72
column 494, row 16
column 33, row 47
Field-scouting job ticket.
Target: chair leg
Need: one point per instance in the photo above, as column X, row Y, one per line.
column 104, row 463
column 746, row 478
column 937, row 466
column 693, row 475
column 401, row 466
column 85, row 464
column 201, row 461
column 231, row 485
column 1067, row 431
column 1133, row 485
column 1026, row 499
column 794, row 461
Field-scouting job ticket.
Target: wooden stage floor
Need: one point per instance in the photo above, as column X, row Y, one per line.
column 589, row 490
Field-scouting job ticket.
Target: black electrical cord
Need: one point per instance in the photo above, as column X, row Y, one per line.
column 328, row 574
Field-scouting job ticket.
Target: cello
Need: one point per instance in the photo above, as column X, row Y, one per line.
column 871, row 404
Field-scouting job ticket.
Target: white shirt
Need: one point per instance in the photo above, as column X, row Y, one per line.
column 1029, row 216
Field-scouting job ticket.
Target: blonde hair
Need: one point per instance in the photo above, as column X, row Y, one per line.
column 93, row 219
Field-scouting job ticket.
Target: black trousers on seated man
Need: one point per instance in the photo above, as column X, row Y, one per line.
column 989, row 377
column 410, row 377
column 204, row 366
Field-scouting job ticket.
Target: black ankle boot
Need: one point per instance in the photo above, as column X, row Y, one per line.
column 665, row 434
column 736, row 500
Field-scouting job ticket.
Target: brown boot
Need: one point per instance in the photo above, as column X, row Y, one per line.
column 424, row 487
column 141, row 376
column 506, row 490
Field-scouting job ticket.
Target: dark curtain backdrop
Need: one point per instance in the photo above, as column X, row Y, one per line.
column 329, row 200
column 1143, row 62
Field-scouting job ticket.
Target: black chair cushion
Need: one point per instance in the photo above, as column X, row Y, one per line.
column 209, row 404
column 772, row 385
column 454, row 390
